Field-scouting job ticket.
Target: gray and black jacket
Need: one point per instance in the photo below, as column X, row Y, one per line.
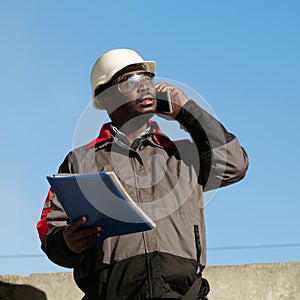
column 167, row 178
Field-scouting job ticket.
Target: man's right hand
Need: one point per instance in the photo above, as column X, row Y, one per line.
column 78, row 239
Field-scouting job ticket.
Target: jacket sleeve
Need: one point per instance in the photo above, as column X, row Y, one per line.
column 52, row 223
column 222, row 160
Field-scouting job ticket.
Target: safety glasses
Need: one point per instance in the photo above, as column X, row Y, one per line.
column 135, row 81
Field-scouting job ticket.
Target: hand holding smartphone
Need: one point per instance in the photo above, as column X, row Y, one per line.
column 164, row 102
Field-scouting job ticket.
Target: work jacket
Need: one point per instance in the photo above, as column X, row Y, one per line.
column 167, row 179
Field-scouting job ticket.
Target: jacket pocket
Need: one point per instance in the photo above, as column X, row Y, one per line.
column 197, row 243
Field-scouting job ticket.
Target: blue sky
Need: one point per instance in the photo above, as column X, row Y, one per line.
column 241, row 56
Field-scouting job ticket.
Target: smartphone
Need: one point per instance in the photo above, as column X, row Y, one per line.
column 164, row 102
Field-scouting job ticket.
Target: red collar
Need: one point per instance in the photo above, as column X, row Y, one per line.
column 157, row 135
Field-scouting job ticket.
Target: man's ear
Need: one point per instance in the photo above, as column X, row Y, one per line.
column 103, row 100
column 106, row 102
column 106, row 98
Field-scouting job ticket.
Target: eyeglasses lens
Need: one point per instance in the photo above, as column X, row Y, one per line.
column 134, row 82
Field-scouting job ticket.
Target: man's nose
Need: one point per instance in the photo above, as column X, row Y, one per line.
column 143, row 85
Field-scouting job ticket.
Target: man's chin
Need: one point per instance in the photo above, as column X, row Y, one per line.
column 141, row 117
column 145, row 114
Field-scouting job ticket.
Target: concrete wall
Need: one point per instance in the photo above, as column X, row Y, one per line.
column 255, row 282
column 241, row 282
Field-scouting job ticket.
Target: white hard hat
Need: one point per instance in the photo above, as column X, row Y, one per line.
column 112, row 62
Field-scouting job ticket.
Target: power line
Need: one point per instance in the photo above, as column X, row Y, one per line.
column 21, row 256
column 252, row 247
column 245, row 247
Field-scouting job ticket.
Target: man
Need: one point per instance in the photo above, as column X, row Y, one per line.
column 167, row 178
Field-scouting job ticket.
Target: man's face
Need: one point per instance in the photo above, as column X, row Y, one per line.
column 132, row 94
